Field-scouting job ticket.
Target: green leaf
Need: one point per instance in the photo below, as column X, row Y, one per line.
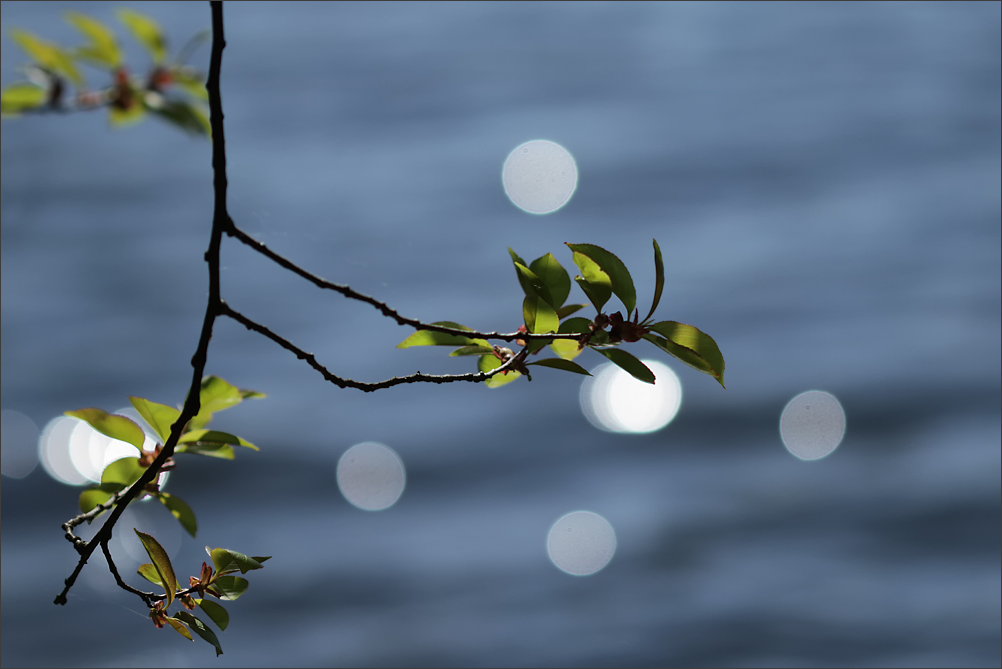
column 216, row 613
column 213, row 438
column 552, row 274
column 123, row 472
column 559, row 363
column 472, row 350
column 150, row 573
column 576, row 325
column 517, row 258
column 187, row 116
column 227, row 561
column 619, row 277
column 251, row 394
column 121, row 117
column 431, row 338
column 146, row 31
column 532, row 285
column 159, row 416
column 162, row 564
column 92, row 497
column 180, row 510
column 102, row 49
column 659, row 279
column 50, row 56
column 22, row 97
column 625, row 360
column 214, row 395
column 566, row 348
column 179, row 626
column 568, row 309
column 230, row 587
column 688, row 344
column 200, row 628
column 595, row 283
column 112, row 425
column 540, row 318
column 212, row 450
column 488, row 363
column 191, row 82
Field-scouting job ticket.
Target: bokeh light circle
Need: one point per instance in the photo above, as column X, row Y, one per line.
column 18, row 444
column 613, row 401
column 371, row 476
column 581, row 543
column 539, row 176
column 812, row 425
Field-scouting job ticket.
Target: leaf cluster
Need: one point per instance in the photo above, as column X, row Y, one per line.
column 171, row 90
column 547, row 285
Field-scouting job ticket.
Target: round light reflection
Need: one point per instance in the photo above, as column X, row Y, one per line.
column 614, row 401
column 539, row 176
column 812, row 425
column 18, row 438
column 371, row 476
column 581, row 543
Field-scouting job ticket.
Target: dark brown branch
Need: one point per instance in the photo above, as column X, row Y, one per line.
column 387, row 311
column 417, row 377
column 220, row 222
column 147, row 597
column 81, row 544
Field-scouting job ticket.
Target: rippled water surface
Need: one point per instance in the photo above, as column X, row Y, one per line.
column 823, row 180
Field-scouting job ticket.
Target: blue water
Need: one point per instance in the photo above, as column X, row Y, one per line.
column 824, row 182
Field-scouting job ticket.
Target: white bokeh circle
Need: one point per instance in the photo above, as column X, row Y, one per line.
column 539, row 176
column 371, row 476
column 812, row 425
column 581, row 543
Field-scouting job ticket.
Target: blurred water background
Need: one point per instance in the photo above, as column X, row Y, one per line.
column 824, row 183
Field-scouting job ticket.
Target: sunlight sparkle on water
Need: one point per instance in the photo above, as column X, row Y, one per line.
column 614, row 401
column 371, row 476
column 539, row 176
column 581, row 543
column 812, row 425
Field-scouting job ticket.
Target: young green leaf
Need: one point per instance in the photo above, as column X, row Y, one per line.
column 576, row 325
column 150, row 573
column 540, row 317
column 180, row 627
column 200, row 628
column 595, row 283
column 230, row 587
column 552, row 274
column 216, row 613
column 559, row 363
column 472, row 350
column 162, row 564
column 568, row 309
column 180, row 510
column 694, row 348
column 211, row 450
column 619, row 277
column 112, row 425
column 659, row 279
column 488, row 363
column 123, row 472
column 159, row 416
column 227, row 561
column 565, row 348
column 120, row 117
column 146, row 31
column 627, row 361
column 214, row 395
column 187, row 116
column 214, row 438
column 50, row 56
column 92, row 497
column 191, row 82
column 248, row 394
column 532, row 284
column 22, row 97
column 102, row 49
column 431, row 338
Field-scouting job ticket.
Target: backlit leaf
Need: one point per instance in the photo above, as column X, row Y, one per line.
column 162, row 564
column 540, row 317
column 200, row 628
column 227, row 561
column 150, row 573
column 120, row 117
column 123, row 472
column 560, row 363
column 595, row 283
column 146, row 31
column 48, row 55
column 102, row 49
column 185, row 115
column 22, row 97
column 694, row 348
column 619, row 277
column 575, row 325
column 659, row 279
column 191, row 82
column 568, row 309
column 180, row 627
column 488, row 363
column 230, row 587
column 92, row 497
column 181, row 511
column 631, row 364
column 222, row 451
column 214, row 395
column 112, row 425
column 159, row 416
column 472, row 350
column 552, row 274
column 216, row 613
column 430, row 338
column 566, row 348
column 212, row 438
